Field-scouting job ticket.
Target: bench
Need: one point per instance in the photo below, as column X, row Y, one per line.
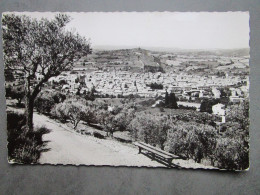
column 156, row 152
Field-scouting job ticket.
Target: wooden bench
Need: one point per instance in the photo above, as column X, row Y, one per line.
column 156, row 152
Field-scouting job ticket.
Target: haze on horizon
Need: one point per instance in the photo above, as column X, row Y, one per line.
column 181, row 30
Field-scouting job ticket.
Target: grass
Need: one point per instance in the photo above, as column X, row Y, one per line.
column 24, row 147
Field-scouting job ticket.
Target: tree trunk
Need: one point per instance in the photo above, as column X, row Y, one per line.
column 162, row 145
column 75, row 124
column 29, row 102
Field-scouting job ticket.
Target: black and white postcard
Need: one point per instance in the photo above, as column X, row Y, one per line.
column 136, row 89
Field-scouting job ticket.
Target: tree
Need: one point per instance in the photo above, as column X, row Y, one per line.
column 240, row 114
column 47, row 99
column 170, row 100
column 156, row 86
column 91, row 94
column 166, row 98
column 107, row 120
column 17, row 93
column 206, row 105
column 173, row 101
column 9, row 77
column 39, row 47
column 149, row 128
column 73, row 110
column 192, row 140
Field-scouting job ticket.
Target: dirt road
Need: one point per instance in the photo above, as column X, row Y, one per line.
column 68, row 147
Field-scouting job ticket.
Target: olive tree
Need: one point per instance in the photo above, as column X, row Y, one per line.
column 73, row 110
column 39, row 47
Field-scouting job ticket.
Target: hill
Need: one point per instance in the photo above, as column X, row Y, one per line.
column 233, row 61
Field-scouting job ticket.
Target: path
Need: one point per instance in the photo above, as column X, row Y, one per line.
column 68, row 147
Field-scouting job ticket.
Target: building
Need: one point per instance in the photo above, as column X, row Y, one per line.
column 218, row 109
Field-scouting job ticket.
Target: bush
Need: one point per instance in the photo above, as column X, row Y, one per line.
column 195, row 141
column 192, row 140
column 149, row 128
column 98, row 135
column 16, row 92
column 156, row 86
column 73, row 110
column 46, row 100
column 44, row 105
column 24, row 146
column 232, row 153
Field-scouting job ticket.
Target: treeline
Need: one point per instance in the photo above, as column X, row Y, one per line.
column 193, row 135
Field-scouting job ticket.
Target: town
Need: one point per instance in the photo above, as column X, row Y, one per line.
column 190, row 89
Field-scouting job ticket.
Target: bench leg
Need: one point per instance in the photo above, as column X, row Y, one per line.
column 140, row 150
column 170, row 162
column 153, row 156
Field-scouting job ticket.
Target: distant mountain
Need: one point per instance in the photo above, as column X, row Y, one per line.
column 225, row 52
column 190, row 61
column 218, row 52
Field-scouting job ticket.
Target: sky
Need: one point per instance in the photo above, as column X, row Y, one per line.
column 179, row 30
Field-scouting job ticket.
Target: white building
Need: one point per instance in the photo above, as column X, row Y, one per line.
column 219, row 109
column 216, row 92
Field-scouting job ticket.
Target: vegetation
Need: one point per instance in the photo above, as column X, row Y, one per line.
column 90, row 95
column 39, row 47
column 170, row 100
column 192, row 135
column 15, row 92
column 206, row 105
column 156, row 86
column 150, row 129
column 72, row 110
column 24, row 146
column 192, row 140
column 46, row 101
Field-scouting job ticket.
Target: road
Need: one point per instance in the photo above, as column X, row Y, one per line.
column 68, row 147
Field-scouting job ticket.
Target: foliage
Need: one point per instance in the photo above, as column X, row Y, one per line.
column 170, row 100
column 24, row 146
column 73, row 110
column 232, row 153
column 192, row 140
column 9, row 76
column 39, row 47
column 15, row 92
column 156, row 86
column 90, row 95
column 239, row 113
column 150, row 129
column 46, row 100
column 206, row 105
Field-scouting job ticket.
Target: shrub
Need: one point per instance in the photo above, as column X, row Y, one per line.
column 192, row 140
column 73, row 110
column 24, row 146
column 98, row 135
column 46, row 100
column 149, row 128
column 44, row 105
column 232, row 153
column 156, row 86
column 15, row 92
column 229, row 150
